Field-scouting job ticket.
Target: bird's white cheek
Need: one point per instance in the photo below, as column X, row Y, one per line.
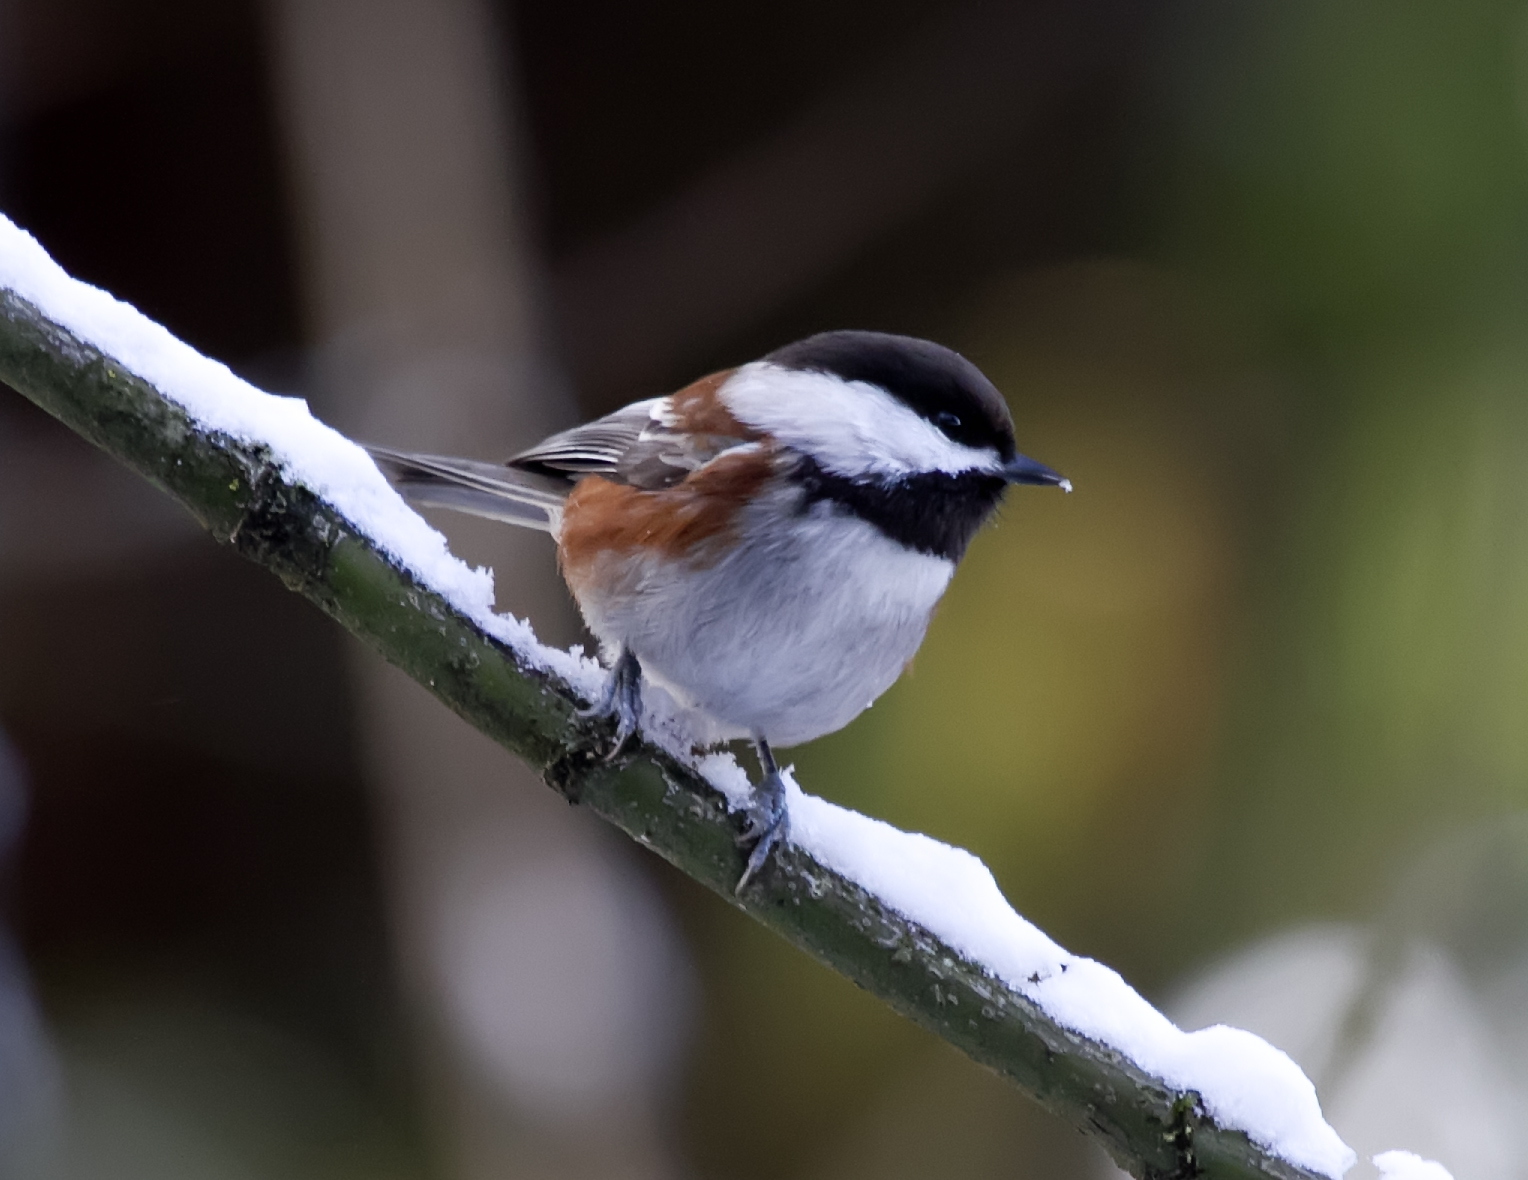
column 851, row 428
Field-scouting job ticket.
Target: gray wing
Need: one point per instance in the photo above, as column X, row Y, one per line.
column 638, row 445
column 595, row 448
column 481, row 489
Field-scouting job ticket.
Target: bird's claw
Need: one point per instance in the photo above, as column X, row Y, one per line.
column 769, row 823
column 622, row 700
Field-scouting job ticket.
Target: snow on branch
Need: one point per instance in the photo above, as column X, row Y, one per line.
column 922, row 925
column 1403, row 1165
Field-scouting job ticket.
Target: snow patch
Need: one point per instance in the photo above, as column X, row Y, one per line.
column 1402, row 1165
column 307, row 451
column 1243, row 1081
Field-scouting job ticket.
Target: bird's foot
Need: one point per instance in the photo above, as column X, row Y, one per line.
column 622, row 700
column 769, row 821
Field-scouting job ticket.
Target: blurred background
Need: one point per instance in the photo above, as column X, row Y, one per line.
column 1245, row 717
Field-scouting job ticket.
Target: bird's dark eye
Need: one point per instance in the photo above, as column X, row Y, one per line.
column 947, row 421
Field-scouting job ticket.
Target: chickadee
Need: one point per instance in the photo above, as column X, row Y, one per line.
column 767, row 544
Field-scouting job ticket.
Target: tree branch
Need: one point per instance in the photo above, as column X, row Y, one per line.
column 241, row 496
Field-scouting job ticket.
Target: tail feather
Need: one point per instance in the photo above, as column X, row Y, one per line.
column 480, row 489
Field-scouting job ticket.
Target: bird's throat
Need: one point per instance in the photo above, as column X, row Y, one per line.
column 935, row 512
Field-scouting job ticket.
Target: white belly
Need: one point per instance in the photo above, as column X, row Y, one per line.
column 790, row 636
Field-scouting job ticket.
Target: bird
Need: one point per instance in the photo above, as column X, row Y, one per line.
column 767, row 544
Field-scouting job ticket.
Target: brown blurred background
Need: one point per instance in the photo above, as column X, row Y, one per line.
column 1246, row 717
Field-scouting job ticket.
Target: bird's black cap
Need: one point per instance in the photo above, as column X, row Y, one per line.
column 935, row 382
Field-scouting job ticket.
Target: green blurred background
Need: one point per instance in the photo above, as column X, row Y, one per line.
column 1254, row 276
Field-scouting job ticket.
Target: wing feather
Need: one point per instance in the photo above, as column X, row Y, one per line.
column 640, row 445
column 595, row 447
column 481, row 489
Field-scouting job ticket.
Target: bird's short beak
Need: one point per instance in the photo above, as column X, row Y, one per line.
column 1023, row 469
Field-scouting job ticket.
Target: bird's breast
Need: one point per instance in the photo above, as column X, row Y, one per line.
column 802, row 615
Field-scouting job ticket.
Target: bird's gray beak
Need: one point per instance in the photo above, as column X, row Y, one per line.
column 1023, row 469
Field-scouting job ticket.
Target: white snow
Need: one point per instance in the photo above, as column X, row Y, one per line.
column 1244, row 1082
column 1402, row 1165
column 307, row 451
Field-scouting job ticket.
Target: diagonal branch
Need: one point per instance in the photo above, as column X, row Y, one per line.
column 244, row 492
